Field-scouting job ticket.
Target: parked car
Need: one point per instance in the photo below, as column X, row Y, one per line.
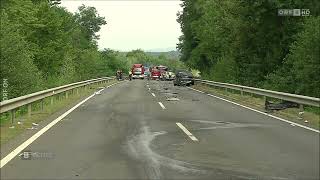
column 183, row 78
column 163, row 70
column 168, row 75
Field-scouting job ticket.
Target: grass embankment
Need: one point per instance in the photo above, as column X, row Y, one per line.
column 10, row 129
column 257, row 102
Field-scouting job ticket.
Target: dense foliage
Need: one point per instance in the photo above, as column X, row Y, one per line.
column 246, row 42
column 43, row 46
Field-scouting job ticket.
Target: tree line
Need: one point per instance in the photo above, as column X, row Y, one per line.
column 43, row 45
column 246, row 42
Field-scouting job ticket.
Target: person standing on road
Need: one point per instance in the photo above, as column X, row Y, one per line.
column 130, row 75
column 120, row 74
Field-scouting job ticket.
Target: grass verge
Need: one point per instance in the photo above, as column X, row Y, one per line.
column 9, row 129
column 257, row 102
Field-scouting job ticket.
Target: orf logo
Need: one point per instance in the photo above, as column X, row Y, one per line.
column 305, row 12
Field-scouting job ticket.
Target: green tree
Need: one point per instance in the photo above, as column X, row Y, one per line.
column 300, row 71
column 16, row 61
column 90, row 21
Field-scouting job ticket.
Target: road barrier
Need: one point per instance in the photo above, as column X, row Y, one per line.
column 299, row 99
column 12, row 104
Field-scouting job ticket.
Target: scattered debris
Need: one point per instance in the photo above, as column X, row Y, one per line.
column 31, row 128
column 19, row 122
column 35, row 124
column 280, row 106
column 170, row 94
column 98, row 92
column 66, row 119
column 172, row 99
column 100, row 87
column 11, row 127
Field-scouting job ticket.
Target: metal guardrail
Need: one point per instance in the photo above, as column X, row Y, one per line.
column 15, row 103
column 299, row 99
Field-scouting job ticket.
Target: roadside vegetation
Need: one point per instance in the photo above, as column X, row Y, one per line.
column 247, row 43
column 43, row 46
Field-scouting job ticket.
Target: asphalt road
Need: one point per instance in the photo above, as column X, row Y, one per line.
column 125, row 133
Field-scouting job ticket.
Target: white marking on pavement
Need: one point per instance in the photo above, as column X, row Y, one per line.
column 163, row 107
column 153, row 95
column 149, row 89
column 185, row 130
column 25, row 144
column 196, row 90
column 275, row 117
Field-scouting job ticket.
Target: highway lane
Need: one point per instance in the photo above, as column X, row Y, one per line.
column 236, row 139
column 125, row 133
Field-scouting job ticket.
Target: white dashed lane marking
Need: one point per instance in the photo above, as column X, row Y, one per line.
column 185, row 130
column 162, row 106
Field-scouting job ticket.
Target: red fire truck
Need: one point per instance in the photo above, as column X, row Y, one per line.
column 137, row 71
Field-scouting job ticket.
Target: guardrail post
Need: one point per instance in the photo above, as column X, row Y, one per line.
column 67, row 94
column 29, row 111
column 301, row 112
column 77, row 91
column 51, row 100
column 13, row 115
column 42, row 104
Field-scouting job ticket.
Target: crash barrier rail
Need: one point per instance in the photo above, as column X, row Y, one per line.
column 299, row 99
column 13, row 104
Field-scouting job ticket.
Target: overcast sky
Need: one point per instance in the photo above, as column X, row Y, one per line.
column 149, row 25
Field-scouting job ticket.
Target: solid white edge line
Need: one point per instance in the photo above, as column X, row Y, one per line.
column 162, row 106
column 196, row 90
column 153, row 95
column 275, row 117
column 187, row 132
column 25, row 144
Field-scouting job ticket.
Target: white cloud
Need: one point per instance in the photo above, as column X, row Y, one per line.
column 135, row 24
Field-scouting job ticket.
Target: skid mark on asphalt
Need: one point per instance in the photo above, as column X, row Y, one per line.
column 224, row 125
column 138, row 147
